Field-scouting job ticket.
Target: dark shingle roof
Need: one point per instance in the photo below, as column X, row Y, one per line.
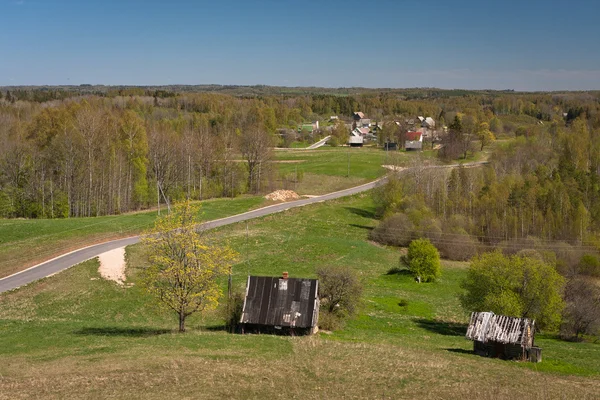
column 273, row 301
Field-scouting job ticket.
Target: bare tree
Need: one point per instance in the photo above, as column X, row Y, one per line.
column 256, row 146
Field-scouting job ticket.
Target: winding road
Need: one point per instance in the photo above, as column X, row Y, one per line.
column 68, row 260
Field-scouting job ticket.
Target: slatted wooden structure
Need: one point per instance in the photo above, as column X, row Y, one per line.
column 288, row 305
column 502, row 336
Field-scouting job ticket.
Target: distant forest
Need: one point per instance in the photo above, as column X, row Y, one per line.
column 96, row 150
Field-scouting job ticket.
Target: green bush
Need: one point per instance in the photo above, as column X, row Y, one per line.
column 590, row 265
column 422, row 260
column 516, row 286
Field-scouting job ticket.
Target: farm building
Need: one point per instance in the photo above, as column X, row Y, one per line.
column 503, row 337
column 414, row 141
column 281, row 304
column 358, row 115
column 356, row 141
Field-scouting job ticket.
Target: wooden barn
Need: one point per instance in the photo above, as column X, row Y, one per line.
column 503, row 337
column 280, row 305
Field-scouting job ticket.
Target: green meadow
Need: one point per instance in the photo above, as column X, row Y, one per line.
column 76, row 335
column 24, row 242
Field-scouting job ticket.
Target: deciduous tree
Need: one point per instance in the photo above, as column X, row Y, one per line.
column 184, row 268
column 517, row 286
column 422, row 260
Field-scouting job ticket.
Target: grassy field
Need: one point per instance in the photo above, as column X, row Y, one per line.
column 25, row 242
column 75, row 335
column 328, row 169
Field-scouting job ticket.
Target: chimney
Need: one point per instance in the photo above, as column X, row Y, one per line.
column 285, row 275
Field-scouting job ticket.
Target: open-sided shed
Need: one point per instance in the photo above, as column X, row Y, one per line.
column 503, row 337
column 287, row 305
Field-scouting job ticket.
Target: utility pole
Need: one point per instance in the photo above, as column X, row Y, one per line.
column 189, row 175
column 229, row 299
column 296, row 178
column 165, row 197
column 348, row 175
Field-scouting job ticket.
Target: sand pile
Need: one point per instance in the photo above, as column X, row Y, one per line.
column 282, row 195
column 112, row 265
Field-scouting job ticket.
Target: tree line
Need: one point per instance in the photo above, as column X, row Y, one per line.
column 64, row 153
column 540, row 191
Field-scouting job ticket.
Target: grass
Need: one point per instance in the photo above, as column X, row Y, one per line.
column 74, row 335
column 25, row 242
column 326, row 169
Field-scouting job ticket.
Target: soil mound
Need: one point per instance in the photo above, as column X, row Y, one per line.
column 282, row 195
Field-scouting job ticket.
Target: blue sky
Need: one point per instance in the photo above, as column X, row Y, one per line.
column 522, row 45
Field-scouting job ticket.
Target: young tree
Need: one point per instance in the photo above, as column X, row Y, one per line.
column 422, row 260
column 517, row 286
column 184, row 268
column 485, row 135
column 582, row 312
column 340, row 133
column 256, row 146
column 339, row 288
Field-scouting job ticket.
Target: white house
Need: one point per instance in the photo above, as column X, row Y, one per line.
column 414, row 141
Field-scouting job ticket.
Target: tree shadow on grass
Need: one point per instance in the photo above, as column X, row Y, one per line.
column 361, row 212
column 215, row 328
column 398, row 271
column 119, row 331
column 442, row 327
column 461, row 351
column 369, row 228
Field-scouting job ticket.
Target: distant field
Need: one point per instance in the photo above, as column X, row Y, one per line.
column 74, row 335
column 326, row 169
column 25, row 242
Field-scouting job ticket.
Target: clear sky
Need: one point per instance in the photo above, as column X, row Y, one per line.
column 473, row 44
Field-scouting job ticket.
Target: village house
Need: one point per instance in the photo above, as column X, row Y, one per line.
column 359, row 120
column 428, row 123
column 280, row 305
column 356, row 138
column 356, row 141
column 361, row 131
column 414, row 141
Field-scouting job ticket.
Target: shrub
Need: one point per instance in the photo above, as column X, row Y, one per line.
column 330, row 321
column 396, row 230
column 340, row 291
column 589, row 265
column 515, row 286
column 459, row 246
column 422, row 260
column 232, row 313
column 582, row 312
